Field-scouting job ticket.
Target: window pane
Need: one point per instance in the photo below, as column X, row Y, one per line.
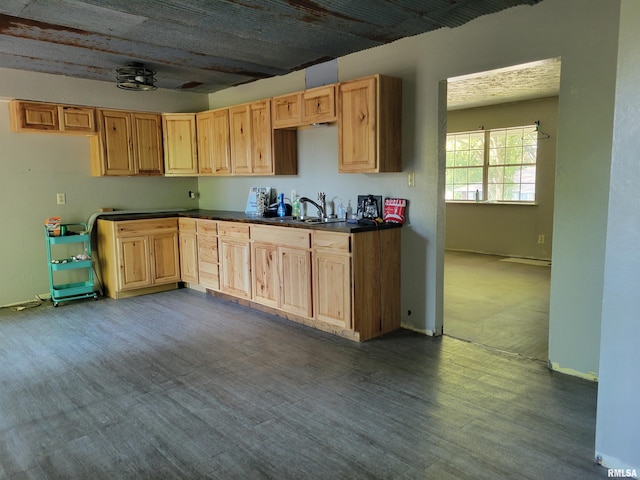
column 462, row 158
column 530, row 136
column 496, row 156
column 450, row 159
column 476, row 157
column 514, row 138
column 494, row 191
column 475, row 176
column 462, row 141
column 511, row 192
column 498, row 138
column 496, row 175
column 448, row 192
column 476, row 141
column 460, row 176
column 512, row 174
column 513, row 156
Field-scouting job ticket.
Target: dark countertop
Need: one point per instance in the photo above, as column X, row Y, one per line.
column 230, row 216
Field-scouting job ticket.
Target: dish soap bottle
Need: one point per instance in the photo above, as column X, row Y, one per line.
column 296, row 207
column 282, row 210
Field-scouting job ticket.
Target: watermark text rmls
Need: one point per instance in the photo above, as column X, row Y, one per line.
column 622, row 473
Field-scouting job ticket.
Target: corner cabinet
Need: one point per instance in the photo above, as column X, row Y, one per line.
column 180, row 147
column 138, row 256
column 127, row 144
column 370, row 125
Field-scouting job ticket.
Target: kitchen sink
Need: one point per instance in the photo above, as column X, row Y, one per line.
column 308, row 220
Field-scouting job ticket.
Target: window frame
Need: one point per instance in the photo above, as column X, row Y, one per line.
column 528, row 138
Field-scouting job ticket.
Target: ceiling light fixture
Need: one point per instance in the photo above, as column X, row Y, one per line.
column 136, row 77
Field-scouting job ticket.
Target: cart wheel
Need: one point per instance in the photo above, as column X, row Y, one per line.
column 95, row 298
column 55, row 304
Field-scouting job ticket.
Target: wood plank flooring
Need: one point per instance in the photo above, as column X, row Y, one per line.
column 499, row 304
column 180, row 385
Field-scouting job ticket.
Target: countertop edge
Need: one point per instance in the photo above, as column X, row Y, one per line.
column 231, row 216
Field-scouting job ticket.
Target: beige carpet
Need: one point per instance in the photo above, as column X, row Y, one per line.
column 501, row 304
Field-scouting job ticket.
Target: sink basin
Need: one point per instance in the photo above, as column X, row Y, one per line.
column 308, row 220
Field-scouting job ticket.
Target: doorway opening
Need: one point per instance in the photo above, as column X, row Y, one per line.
column 497, row 262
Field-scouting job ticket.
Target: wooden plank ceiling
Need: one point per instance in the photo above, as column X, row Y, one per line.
column 205, row 46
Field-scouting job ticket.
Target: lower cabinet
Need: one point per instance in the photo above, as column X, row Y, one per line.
column 188, row 250
column 332, row 288
column 281, row 273
column 208, row 269
column 235, row 259
column 138, row 256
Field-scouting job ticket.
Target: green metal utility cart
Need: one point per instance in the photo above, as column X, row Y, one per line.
column 77, row 266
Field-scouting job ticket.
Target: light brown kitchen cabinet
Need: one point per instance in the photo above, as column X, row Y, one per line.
column 287, row 110
column 188, row 250
column 332, row 278
column 128, row 143
column 319, row 105
column 256, row 148
column 235, row 259
column 356, row 281
column 369, row 125
column 214, row 142
column 281, row 272
column 180, row 147
column 208, row 258
column 138, row 256
column 51, row 118
column 265, row 279
column 295, row 280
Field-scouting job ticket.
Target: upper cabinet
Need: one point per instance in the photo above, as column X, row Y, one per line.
column 316, row 105
column 214, row 142
column 128, row 143
column 319, row 105
column 287, row 110
column 51, row 117
column 369, row 125
column 180, row 148
column 256, row 148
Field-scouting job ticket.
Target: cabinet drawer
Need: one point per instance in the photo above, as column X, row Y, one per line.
column 136, row 227
column 208, row 227
column 285, row 236
column 209, row 276
column 336, row 242
column 187, row 225
column 208, row 249
column 233, row 229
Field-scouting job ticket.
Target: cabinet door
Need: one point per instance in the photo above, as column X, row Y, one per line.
column 261, row 143
column 77, row 119
column 357, row 127
column 295, row 285
column 287, row 110
column 214, row 142
column 147, row 143
column 265, row 274
column 165, row 261
column 240, row 118
column 134, row 268
column 319, row 105
column 35, row 116
column 117, row 153
column 180, row 149
column 188, row 257
column 332, row 288
column 235, row 267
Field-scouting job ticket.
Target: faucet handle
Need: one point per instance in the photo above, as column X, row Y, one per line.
column 321, row 196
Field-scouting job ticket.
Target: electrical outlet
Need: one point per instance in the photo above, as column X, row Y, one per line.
column 540, row 239
column 411, row 179
column 61, row 198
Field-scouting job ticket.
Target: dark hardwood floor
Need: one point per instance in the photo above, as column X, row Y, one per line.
column 180, row 385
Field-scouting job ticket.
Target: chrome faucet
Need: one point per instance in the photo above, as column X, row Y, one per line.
column 322, row 209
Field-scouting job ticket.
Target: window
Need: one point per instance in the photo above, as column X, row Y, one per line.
column 496, row 165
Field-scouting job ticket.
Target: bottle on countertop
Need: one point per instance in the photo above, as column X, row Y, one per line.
column 282, row 210
column 349, row 212
column 295, row 209
column 342, row 212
